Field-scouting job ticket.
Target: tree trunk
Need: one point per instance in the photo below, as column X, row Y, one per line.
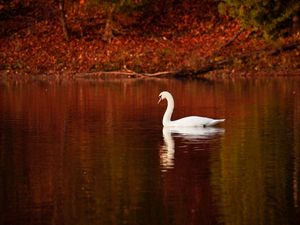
column 296, row 24
column 61, row 5
column 108, row 31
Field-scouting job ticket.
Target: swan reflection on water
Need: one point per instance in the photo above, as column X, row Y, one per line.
column 188, row 135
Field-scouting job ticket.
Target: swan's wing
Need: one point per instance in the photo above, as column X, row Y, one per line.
column 192, row 121
column 195, row 121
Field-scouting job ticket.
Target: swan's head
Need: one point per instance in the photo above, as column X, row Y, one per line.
column 164, row 95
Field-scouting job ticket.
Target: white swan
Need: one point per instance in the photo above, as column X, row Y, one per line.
column 190, row 121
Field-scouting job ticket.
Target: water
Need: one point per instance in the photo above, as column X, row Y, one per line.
column 94, row 152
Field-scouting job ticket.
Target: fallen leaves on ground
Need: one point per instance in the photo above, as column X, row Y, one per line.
column 178, row 41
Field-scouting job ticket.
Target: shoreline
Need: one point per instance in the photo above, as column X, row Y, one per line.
column 221, row 75
column 213, row 46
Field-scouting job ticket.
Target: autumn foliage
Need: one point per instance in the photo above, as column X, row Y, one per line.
column 166, row 36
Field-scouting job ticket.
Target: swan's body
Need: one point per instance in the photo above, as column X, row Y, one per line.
column 190, row 121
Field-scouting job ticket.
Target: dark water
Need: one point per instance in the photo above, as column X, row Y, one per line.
column 95, row 153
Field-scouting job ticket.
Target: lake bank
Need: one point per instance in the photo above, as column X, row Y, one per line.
column 183, row 43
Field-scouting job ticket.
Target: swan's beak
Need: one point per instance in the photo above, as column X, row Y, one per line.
column 159, row 100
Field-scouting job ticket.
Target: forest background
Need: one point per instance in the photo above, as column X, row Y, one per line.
column 146, row 38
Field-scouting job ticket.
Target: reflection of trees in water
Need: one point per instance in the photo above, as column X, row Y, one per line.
column 185, row 166
column 254, row 179
column 296, row 151
column 58, row 163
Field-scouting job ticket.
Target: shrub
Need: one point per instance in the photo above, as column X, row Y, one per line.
column 273, row 17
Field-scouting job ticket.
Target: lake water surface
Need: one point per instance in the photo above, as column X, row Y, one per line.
column 95, row 152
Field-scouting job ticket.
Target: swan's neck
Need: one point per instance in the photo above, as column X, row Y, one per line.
column 169, row 111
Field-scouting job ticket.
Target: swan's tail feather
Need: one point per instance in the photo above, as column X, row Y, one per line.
column 214, row 122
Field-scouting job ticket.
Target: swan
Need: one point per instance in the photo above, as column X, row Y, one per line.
column 190, row 121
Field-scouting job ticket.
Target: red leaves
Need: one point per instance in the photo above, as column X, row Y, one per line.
column 182, row 40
